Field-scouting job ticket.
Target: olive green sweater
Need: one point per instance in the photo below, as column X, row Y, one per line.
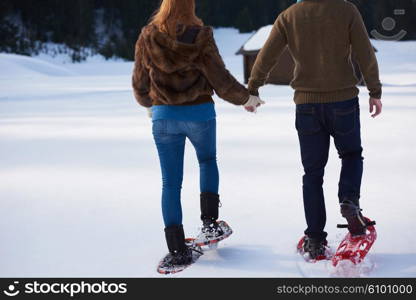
column 320, row 35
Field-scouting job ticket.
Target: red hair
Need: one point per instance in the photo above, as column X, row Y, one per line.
column 171, row 13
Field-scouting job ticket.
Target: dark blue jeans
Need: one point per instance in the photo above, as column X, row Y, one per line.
column 315, row 124
column 170, row 136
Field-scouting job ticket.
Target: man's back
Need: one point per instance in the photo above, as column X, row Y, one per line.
column 320, row 35
column 320, row 43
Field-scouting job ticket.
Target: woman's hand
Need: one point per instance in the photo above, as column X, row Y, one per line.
column 252, row 104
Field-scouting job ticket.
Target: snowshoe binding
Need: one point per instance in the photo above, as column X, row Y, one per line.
column 360, row 238
column 212, row 231
column 178, row 261
column 182, row 252
column 313, row 250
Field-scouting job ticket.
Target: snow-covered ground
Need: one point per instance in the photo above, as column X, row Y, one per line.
column 80, row 180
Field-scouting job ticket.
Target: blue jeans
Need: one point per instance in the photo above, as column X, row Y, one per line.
column 315, row 124
column 170, row 136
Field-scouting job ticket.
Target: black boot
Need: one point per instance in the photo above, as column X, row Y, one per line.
column 210, row 204
column 350, row 210
column 315, row 247
column 181, row 254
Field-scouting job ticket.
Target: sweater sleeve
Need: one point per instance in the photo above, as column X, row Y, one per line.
column 221, row 80
column 268, row 56
column 141, row 79
column 364, row 54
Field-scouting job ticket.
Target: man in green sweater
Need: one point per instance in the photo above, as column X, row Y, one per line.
column 321, row 34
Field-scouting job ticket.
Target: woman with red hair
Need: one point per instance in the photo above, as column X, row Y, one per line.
column 177, row 69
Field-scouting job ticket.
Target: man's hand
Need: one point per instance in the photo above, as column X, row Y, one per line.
column 375, row 103
column 252, row 103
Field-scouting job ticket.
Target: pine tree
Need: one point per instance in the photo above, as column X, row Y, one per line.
column 73, row 23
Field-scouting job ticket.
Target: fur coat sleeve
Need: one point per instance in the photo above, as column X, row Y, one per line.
column 221, row 80
column 141, row 79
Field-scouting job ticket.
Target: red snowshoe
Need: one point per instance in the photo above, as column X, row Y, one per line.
column 168, row 266
column 355, row 248
column 211, row 234
column 324, row 252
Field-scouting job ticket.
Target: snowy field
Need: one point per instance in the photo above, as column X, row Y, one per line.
column 80, row 180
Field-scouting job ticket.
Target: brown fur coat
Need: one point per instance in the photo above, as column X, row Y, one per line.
column 167, row 71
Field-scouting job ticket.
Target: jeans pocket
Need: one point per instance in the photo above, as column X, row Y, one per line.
column 159, row 127
column 345, row 120
column 306, row 121
column 197, row 127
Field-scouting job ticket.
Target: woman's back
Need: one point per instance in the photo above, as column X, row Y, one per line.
column 182, row 71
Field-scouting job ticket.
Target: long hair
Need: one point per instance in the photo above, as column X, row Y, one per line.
column 171, row 13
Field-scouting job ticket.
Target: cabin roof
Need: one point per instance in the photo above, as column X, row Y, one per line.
column 257, row 41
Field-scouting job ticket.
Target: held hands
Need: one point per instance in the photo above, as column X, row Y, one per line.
column 252, row 104
column 375, row 103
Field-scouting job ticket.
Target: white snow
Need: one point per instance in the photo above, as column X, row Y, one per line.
column 13, row 66
column 258, row 39
column 80, row 180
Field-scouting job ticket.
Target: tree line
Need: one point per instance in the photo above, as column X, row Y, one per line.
column 111, row 27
